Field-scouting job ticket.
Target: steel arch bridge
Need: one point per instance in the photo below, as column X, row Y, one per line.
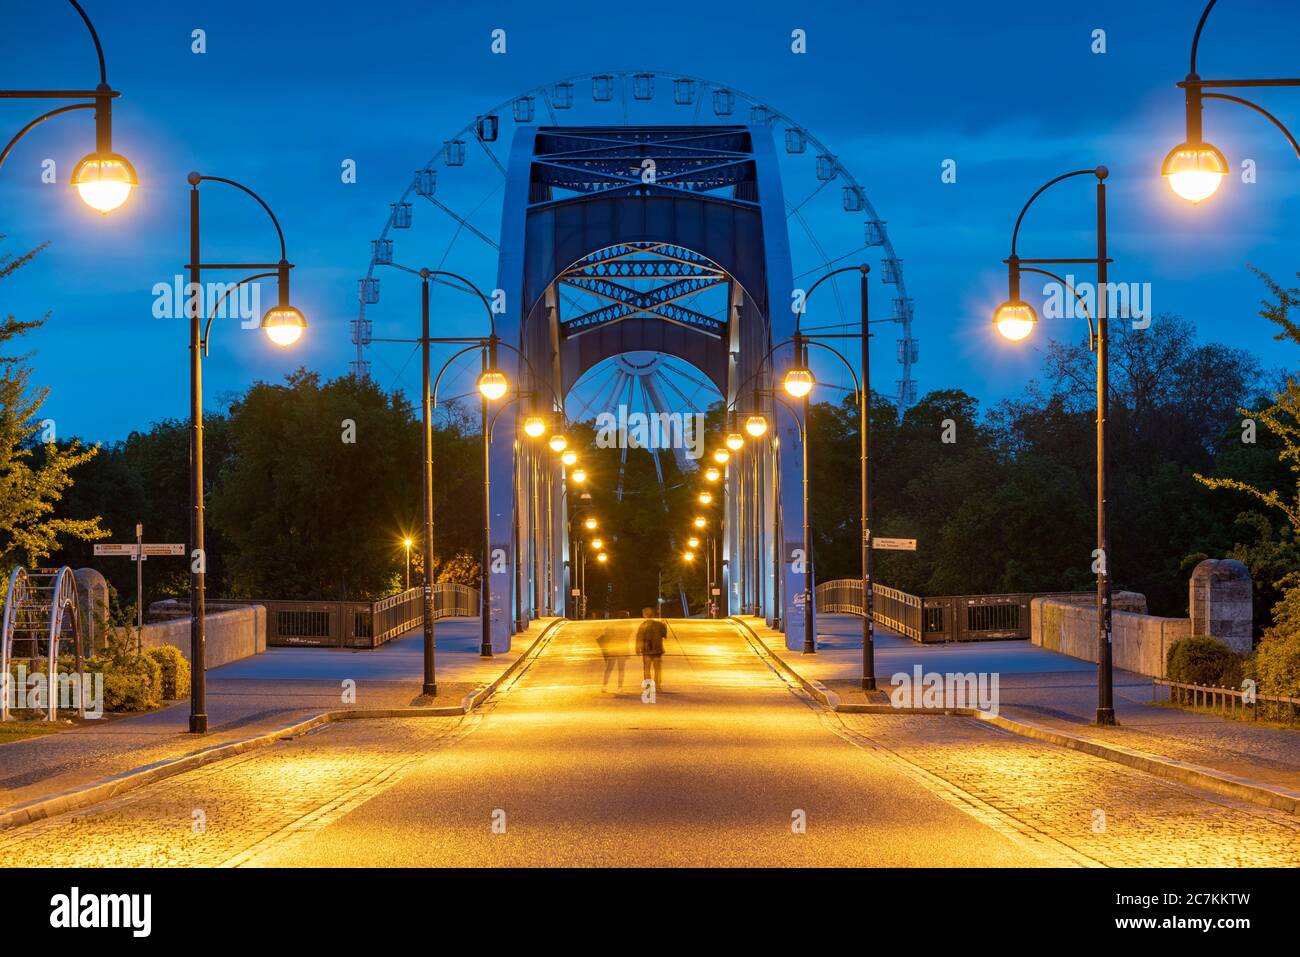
column 644, row 218
column 621, row 238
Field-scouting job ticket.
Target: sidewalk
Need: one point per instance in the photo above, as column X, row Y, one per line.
column 254, row 696
column 1053, row 691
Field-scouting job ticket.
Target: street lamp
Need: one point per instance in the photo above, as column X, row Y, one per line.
column 1018, row 328
column 597, row 544
column 534, row 426
column 706, row 498
column 700, row 521
column 568, row 457
column 693, row 542
column 602, row 558
column 407, row 543
column 103, row 179
column 1194, row 168
column 756, row 425
column 735, row 441
column 712, row 474
column 799, row 382
column 557, row 442
column 277, row 323
column 722, row 456
column 579, row 475
column 590, row 523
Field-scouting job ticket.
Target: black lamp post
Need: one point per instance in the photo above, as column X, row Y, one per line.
column 1195, row 168
column 103, row 179
column 284, row 325
column 1015, row 319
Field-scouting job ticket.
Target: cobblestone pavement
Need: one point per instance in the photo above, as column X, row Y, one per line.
column 1108, row 812
column 725, row 766
column 220, row 813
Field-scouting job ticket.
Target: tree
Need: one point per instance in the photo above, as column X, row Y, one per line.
column 31, row 486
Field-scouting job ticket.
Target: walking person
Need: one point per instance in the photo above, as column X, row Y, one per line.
column 650, row 646
column 613, row 644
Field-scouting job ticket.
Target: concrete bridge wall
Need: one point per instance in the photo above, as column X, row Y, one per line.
column 1139, row 642
column 231, row 635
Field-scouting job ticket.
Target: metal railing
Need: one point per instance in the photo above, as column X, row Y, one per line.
column 1232, row 702
column 400, row 613
column 942, row 619
column 893, row 608
column 354, row 624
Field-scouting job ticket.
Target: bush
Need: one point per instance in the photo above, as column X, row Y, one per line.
column 132, row 683
column 175, row 672
column 1203, row 660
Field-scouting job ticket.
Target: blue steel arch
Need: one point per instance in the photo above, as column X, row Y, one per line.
column 693, row 195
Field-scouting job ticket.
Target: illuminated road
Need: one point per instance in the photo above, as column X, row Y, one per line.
column 727, row 766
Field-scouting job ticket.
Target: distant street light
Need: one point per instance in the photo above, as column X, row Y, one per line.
column 602, row 557
column 700, row 522
column 534, row 426
column 735, row 441
column 590, row 523
column 568, row 457
column 557, row 442
column 722, row 456
column 693, row 542
column 712, row 474
column 579, row 475
column 103, row 179
column 597, row 544
column 407, row 543
column 706, row 498
column 756, row 425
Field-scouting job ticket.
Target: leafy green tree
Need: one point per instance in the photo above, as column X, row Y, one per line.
column 31, row 488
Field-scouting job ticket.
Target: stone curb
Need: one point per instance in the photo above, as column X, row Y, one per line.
column 1219, row 782
column 85, row 795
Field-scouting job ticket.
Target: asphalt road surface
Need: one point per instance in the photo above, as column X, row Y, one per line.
column 724, row 765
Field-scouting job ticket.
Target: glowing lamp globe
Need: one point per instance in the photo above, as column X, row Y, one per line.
column 569, row 457
column 104, row 181
column 283, row 325
column 579, row 475
column 756, row 425
column 798, row 382
column 689, row 556
column 1015, row 320
column 693, row 542
column 590, row 523
column 597, row 544
column 557, row 443
column 493, row 384
column 721, row 456
column 712, row 474
column 700, row 522
column 1194, row 170
column 602, row 557
column 534, row 426
column 735, row 441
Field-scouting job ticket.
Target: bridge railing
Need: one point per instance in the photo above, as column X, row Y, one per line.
column 344, row 624
column 400, row 613
column 939, row 619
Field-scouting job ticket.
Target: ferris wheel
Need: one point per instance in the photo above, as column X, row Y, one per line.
column 448, row 216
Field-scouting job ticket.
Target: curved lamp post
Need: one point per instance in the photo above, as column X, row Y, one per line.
column 1194, row 168
column 1015, row 319
column 103, row 179
column 283, row 325
column 802, row 380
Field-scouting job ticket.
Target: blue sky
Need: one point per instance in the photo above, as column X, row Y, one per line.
column 286, row 91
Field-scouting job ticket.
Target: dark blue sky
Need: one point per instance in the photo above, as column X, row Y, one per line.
column 287, row 90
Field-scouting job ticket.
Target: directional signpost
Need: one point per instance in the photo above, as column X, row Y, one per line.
column 139, row 552
column 895, row 544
